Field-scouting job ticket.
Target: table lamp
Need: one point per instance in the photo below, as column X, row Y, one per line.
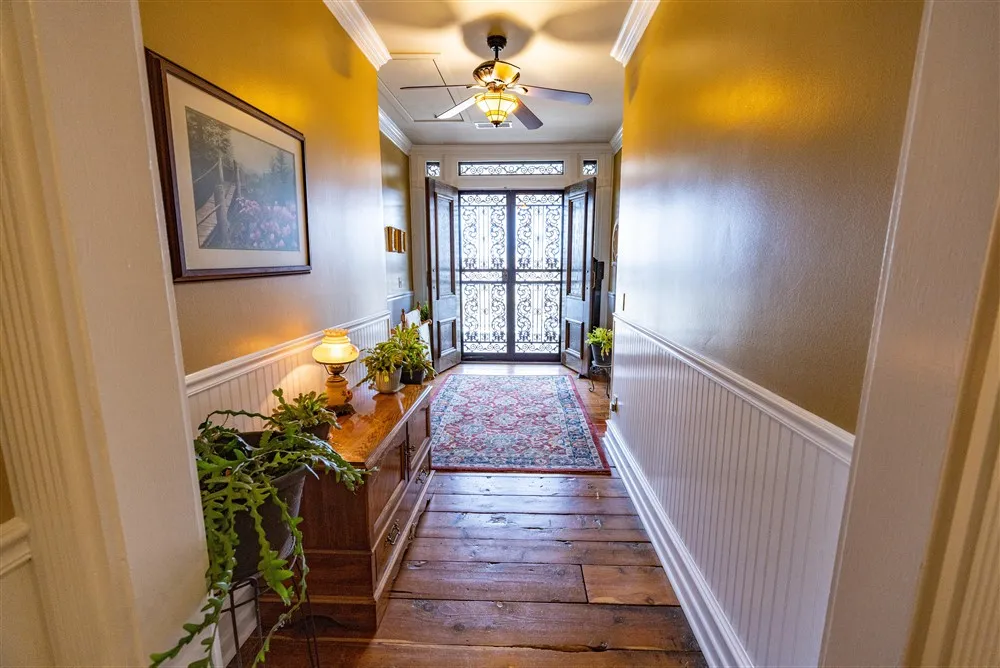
column 336, row 352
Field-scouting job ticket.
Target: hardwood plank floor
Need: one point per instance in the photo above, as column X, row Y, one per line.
column 521, row 570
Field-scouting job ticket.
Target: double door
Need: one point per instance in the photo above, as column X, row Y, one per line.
column 510, row 249
column 509, row 274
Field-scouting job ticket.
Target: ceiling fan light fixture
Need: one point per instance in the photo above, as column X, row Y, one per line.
column 496, row 105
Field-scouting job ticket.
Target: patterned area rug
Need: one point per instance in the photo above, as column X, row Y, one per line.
column 529, row 424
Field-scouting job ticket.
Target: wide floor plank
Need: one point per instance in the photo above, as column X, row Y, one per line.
column 473, row 581
column 531, row 504
column 528, row 485
column 376, row 654
column 636, row 585
column 528, row 526
column 607, row 553
column 562, row 626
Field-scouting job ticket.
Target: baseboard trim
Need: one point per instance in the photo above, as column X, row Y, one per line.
column 838, row 442
column 14, row 548
column 719, row 641
column 199, row 381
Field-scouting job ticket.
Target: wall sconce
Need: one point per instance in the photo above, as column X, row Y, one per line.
column 336, row 352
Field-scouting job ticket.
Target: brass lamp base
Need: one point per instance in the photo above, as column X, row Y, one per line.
column 338, row 393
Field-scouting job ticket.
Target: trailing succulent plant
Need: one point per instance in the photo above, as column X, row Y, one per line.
column 237, row 477
column 305, row 410
column 602, row 337
column 413, row 348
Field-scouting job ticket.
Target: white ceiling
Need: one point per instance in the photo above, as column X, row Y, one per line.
column 556, row 43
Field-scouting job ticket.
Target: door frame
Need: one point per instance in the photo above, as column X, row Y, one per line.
column 511, row 281
column 923, row 337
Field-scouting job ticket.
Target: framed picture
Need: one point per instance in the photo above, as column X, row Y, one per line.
column 390, row 239
column 233, row 180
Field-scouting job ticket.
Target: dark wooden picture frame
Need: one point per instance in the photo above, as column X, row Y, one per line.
column 263, row 229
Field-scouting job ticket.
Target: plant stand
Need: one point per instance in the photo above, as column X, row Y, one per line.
column 604, row 370
column 305, row 620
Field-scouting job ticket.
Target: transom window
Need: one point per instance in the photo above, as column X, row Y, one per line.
column 519, row 168
column 590, row 168
column 433, row 168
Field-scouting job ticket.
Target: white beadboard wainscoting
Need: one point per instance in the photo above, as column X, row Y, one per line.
column 245, row 383
column 742, row 493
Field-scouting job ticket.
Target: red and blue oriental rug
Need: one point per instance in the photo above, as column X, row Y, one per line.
column 527, row 424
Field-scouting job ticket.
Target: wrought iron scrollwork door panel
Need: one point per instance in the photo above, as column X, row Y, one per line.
column 511, row 272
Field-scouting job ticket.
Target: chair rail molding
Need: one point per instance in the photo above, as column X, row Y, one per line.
column 638, row 17
column 14, row 548
column 741, row 492
column 389, row 128
column 354, row 20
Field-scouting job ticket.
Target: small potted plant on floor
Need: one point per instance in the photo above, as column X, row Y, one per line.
column 383, row 366
column 251, row 488
column 600, row 340
column 416, row 364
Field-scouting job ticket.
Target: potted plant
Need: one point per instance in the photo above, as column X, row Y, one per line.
column 425, row 311
column 601, row 340
column 383, row 364
column 250, row 495
column 415, row 363
column 308, row 411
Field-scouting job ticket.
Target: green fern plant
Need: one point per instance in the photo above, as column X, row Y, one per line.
column 413, row 349
column 236, row 477
column 602, row 337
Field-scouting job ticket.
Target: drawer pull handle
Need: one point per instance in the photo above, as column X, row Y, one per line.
column 393, row 534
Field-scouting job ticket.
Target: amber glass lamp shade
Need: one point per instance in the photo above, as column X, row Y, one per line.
column 496, row 105
column 336, row 352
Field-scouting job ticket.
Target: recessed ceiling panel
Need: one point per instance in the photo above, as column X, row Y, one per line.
column 421, row 105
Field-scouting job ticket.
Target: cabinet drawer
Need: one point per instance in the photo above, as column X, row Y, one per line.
column 385, row 487
column 418, row 432
column 398, row 530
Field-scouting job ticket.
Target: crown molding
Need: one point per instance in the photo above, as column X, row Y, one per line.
column 638, row 17
column 353, row 19
column 616, row 141
column 389, row 128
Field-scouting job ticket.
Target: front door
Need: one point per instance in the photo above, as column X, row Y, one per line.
column 442, row 227
column 578, row 240
column 511, row 257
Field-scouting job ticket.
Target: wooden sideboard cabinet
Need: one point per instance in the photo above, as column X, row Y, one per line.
column 354, row 541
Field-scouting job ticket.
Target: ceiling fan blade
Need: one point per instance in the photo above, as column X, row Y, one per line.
column 571, row 96
column 444, row 86
column 458, row 108
column 527, row 117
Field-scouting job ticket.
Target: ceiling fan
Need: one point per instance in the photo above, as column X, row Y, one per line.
column 500, row 79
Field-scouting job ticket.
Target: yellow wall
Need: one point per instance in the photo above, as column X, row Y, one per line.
column 396, row 213
column 761, row 145
column 295, row 62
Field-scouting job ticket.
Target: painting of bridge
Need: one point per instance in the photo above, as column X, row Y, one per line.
column 245, row 189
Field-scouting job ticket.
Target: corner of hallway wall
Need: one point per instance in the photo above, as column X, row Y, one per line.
column 757, row 181
column 295, row 62
column 396, row 213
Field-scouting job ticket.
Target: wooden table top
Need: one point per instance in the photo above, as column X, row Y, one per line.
column 377, row 417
